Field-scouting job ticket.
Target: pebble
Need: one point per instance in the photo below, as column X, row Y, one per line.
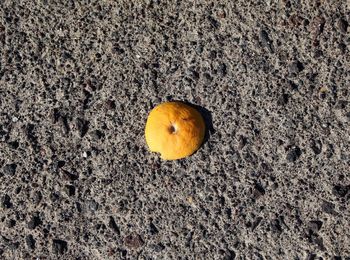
column 113, row 225
column 315, row 225
column 340, row 190
column 92, row 205
column 83, row 126
column 265, row 40
column 110, row 104
column 30, row 241
column 293, row 154
column 296, row 67
column 258, row 191
column 13, row 245
column 276, row 226
column 70, row 190
column 59, row 246
column 6, row 202
column 153, row 229
column 328, row 207
column 316, row 146
column 158, row 247
column 283, row 99
column 10, row 169
column 97, row 134
column 133, row 241
column 34, row 222
column 11, row 223
column 343, row 25
column 37, row 197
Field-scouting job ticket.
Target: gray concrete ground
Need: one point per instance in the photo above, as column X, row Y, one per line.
column 77, row 80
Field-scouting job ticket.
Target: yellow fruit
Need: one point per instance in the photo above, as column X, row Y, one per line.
column 175, row 130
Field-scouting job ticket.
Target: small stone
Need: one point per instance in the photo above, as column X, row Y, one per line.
column 342, row 47
column 329, row 151
column 10, row 169
column 293, row 86
column 323, row 92
column 222, row 69
column 258, row 256
column 230, row 255
column 342, row 104
column 318, row 54
column 66, row 55
column 117, row 50
column 70, row 190
column 296, row 67
column 30, row 132
column 133, row 241
column 193, row 73
column 59, row 246
column 97, row 134
column 258, row 191
column 213, row 22
column 295, row 20
column 55, row 115
column 60, row 164
column 54, row 196
column 318, row 25
column 283, row 99
column 11, row 223
column 13, row 145
column 71, row 176
column 311, row 256
column 153, row 229
column 3, row 133
column 208, row 78
column 113, row 225
column 265, row 40
column 13, row 245
column 199, row 48
column 264, row 37
column 340, row 190
column 64, row 124
column 328, row 207
column 343, row 25
column 315, row 225
column 110, row 105
column 30, row 242
column 242, row 141
column 83, row 126
column 34, row 222
column 92, row 205
column 318, row 241
column 276, row 226
column 316, row 146
column 6, row 202
column 256, row 223
column 158, row 247
column 293, row 154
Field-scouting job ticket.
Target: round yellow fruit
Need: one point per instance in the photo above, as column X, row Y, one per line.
column 175, row 130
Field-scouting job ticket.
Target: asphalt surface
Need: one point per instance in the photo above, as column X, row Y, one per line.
column 77, row 80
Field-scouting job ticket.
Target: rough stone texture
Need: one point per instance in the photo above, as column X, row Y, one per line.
column 77, row 79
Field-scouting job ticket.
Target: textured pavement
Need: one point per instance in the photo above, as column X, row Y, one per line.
column 77, row 80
